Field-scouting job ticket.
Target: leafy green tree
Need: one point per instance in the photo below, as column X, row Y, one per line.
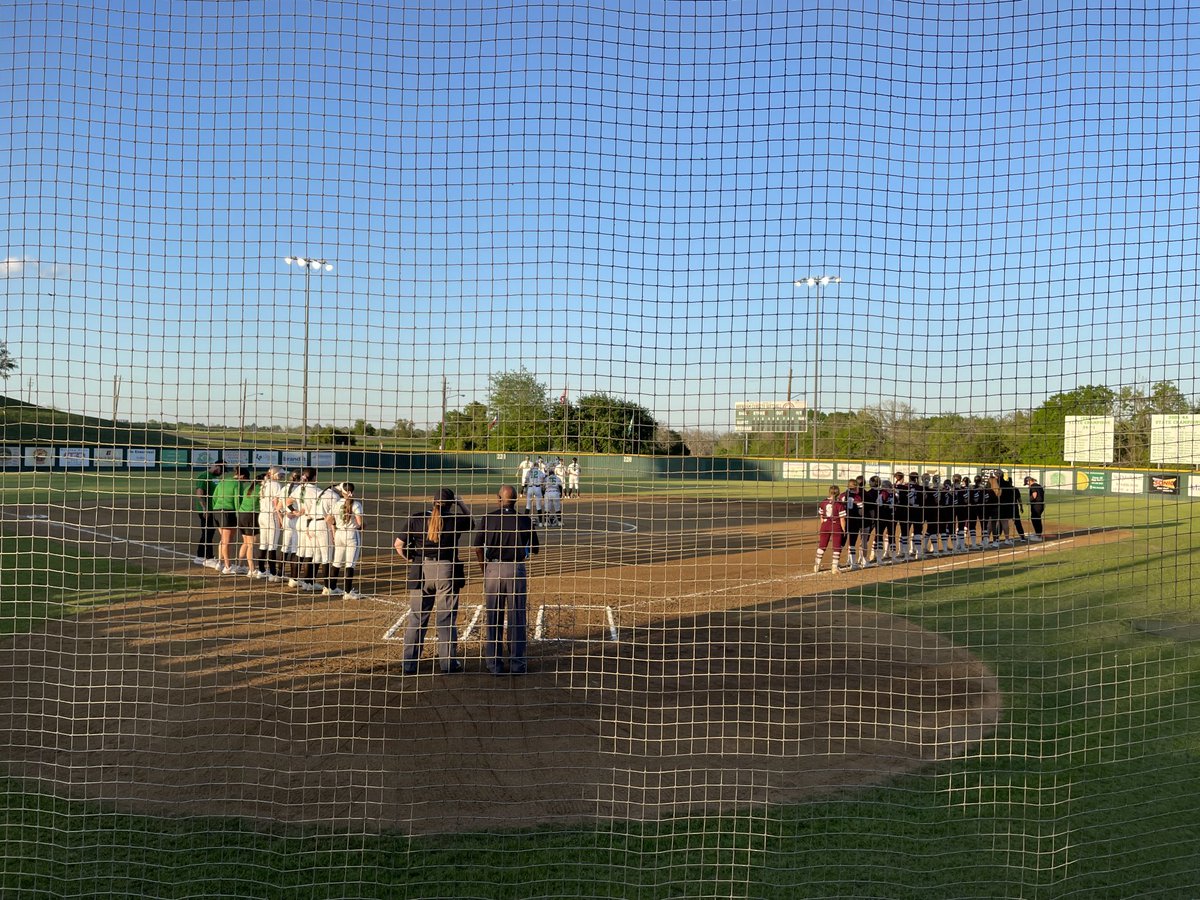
column 467, row 429
column 607, row 424
column 519, row 404
column 1134, row 409
column 8, row 364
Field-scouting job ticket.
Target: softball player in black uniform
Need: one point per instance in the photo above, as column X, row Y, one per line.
column 975, row 539
column 869, row 552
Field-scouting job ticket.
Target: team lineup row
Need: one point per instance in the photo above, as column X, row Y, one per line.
column 918, row 515
column 285, row 521
column 289, row 521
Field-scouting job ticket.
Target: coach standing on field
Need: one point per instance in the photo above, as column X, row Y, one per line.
column 504, row 541
column 206, row 483
column 1037, row 505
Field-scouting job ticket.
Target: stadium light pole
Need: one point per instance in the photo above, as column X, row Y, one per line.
column 818, row 282
column 309, row 266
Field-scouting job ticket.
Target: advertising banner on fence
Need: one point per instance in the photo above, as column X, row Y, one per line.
column 846, row 471
column 793, row 470
column 173, row 458
column 1059, row 480
column 202, row 459
column 109, row 457
column 324, row 459
column 38, row 457
column 1127, row 482
column 878, row 470
column 10, row 457
column 1092, row 481
column 295, row 459
column 1165, row 484
column 820, row 471
column 1018, row 475
column 264, row 459
column 140, row 458
column 235, row 457
column 73, row 457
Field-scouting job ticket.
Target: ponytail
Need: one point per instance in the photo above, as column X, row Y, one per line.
column 434, row 532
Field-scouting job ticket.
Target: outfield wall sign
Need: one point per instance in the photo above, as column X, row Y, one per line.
column 1175, row 439
column 1088, row 439
column 770, row 416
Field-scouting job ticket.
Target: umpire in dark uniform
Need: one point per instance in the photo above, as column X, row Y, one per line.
column 1037, row 505
column 429, row 543
column 504, row 541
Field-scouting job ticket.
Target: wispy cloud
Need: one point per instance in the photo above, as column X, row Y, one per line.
column 12, row 266
column 23, row 266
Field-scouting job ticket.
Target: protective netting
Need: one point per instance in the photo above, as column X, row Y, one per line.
column 715, row 287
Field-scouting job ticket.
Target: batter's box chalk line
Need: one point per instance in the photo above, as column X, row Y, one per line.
column 566, row 611
column 395, row 632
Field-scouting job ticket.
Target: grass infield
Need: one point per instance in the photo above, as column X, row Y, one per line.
column 1087, row 789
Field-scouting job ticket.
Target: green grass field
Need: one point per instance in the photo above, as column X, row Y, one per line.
column 1088, row 788
column 58, row 487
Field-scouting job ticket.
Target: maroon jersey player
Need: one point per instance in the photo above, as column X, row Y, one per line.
column 832, row 513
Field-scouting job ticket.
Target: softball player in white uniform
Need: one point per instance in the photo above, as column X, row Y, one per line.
column 553, row 490
column 290, row 511
column 534, row 479
column 270, row 523
column 347, row 523
column 319, row 508
column 573, row 472
column 308, row 498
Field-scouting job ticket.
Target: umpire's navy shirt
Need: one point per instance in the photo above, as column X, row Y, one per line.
column 506, row 535
column 417, row 545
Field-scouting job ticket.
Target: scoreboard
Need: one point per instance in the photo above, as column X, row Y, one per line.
column 770, row 416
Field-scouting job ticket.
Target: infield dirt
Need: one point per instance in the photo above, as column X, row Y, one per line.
column 737, row 680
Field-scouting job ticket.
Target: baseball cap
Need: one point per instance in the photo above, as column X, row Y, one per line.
column 445, row 494
column 1029, row 479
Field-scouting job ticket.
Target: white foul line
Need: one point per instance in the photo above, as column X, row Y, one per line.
column 800, row 577
column 957, row 564
column 108, row 537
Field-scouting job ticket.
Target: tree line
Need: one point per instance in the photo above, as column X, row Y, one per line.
column 520, row 415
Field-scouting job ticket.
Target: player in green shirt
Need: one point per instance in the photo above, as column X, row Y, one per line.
column 224, row 507
column 202, row 491
column 247, row 519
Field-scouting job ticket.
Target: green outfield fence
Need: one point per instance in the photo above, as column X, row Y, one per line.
column 609, row 470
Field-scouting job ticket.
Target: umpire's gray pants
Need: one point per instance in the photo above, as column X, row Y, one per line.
column 436, row 593
column 505, row 594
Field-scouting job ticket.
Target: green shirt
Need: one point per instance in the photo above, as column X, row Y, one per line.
column 247, row 500
column 204, row 484
column 225, row 494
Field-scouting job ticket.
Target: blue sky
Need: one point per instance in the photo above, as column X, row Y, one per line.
column 616, row 195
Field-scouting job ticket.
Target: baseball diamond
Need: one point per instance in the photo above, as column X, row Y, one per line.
column 659, row 647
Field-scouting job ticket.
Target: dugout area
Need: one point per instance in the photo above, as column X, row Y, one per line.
column 684, row 659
